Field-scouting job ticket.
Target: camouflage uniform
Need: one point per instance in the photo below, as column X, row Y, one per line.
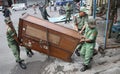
column 68, row 12
column 81, row 21
column 88, row 45
column 13, row 42
column 88, row 48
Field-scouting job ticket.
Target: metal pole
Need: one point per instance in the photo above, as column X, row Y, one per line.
column 107, row 25
column 94, row 9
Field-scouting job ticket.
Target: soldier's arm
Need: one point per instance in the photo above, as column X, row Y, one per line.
column 14, row 35
column 89, row 40
column 83, row 28
column 83, row 39
column 85, row 24
column 16, row 38
column 86, row 40
column 92, row 37
column 75, row 23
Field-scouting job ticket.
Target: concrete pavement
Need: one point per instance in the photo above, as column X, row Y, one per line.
column 40, row 64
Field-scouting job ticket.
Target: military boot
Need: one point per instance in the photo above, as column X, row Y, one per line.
column 30, row 53
column 77, row 52
column 22, row 64
column 84, row 68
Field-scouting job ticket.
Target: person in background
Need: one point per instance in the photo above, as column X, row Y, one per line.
column 13, row 43
column 55, row 6
column 44, row 13
column 68, row 12
column 34, row 8
column 50, row 6
column 78, row 5
column 88, row 40
column 61, row 10
column 41, row 7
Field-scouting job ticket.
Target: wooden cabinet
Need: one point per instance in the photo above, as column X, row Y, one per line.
column 46, row 37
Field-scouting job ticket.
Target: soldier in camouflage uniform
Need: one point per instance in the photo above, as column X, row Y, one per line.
column 68, row 12
column 80, row 21
column 88, row 40
column 13, row 43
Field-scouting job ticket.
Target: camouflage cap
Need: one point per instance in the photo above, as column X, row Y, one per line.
column 92, row 21
column 83, row 9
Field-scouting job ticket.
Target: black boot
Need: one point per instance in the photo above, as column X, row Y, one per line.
column 30, row 53
column 77, row 52
column 84, row 68
column 22, row 64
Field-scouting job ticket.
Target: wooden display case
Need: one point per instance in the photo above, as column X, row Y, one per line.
column 46, row 37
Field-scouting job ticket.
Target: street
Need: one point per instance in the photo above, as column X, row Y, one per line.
column 40, row 64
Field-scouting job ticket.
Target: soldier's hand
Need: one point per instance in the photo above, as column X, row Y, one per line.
column 80, row 32
column 81, row 41
column 75, row 28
